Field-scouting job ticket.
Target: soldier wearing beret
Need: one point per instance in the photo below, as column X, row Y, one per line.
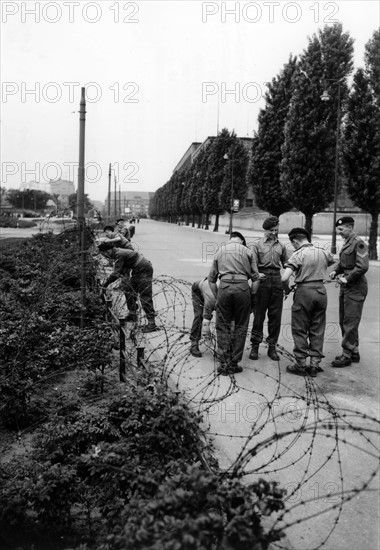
column 353, row 264
column 139, row 284
column 270, row 256
column 235, row 265
column 309, row 265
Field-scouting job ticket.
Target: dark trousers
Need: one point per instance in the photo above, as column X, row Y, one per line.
column 233, row 304
column 309, row 320
column 198, row 304
column 140, row 285
column 351, row 302
column 269, row 300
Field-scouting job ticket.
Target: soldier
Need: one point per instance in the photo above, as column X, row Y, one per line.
column 116, row 238
column 139, row 284
column 309, row 264
column 353, row 264
column 270, row 256
column 203, row 304
column 235, row 265
column 122, row 229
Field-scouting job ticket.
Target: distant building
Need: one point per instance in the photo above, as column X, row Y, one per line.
column 196, row 147
column 129, row 203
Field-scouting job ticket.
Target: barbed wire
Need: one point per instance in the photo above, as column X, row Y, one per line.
column 264, row 423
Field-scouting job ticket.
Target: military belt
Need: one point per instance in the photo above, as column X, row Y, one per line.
column 310, row 282
column 232, row 277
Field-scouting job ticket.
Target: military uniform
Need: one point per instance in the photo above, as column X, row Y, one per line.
column 139, row 284
column 235, row 265
column 203, row 305
column 308, row 320
column 353, row 264
column 270, row 255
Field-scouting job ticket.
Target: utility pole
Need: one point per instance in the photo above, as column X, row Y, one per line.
column 109, row 194
column 115, row 202
column 80, row 201
column 119, row 200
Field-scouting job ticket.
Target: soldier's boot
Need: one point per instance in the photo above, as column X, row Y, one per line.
column 131, row 317
column 298, row 368
column 194, row 350
column 342, row 361
column 150, row 327
column 254, row 352
column 272, row 353
column 314, row 367
column 355, row 357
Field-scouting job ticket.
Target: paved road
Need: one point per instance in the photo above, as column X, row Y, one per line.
column 323, row 462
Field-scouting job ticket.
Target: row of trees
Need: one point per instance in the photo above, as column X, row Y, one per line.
column 292, row 163
column 35, row 200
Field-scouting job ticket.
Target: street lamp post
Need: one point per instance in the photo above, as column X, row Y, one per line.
column 325, row 97
column 226, row 157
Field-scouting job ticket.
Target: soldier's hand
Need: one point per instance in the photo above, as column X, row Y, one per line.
column 333, row 275
column 343, row 280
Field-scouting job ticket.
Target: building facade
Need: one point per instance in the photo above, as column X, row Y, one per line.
column 128, row 204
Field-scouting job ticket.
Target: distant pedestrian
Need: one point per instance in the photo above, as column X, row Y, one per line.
column 352, row 266
column 138, row 273
column 234, row 264
column 270, row 256
column 309, row 265
column 117, row 239
column 203, row 305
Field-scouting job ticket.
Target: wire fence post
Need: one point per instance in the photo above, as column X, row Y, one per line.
column 122, row 348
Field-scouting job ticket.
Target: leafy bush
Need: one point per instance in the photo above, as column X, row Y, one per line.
column 16, row 222
column 111, row 479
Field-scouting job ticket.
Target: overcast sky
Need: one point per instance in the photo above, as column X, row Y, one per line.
column 154, row 72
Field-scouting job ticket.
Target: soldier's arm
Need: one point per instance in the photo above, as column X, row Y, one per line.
column 213, row 277
column 209, row 301
column 361, row 263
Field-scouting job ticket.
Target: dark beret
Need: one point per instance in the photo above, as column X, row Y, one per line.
column 344, row 220
column 299, row 231
column 270, row 222
column 239, row 235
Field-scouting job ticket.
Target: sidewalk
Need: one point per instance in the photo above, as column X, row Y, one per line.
column 252, row 235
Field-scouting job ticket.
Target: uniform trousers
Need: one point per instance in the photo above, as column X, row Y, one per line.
column 198, row 305
column 140, row 284
column 269, row 298
column 233, row 304
column 309, row 320
column 351, row 302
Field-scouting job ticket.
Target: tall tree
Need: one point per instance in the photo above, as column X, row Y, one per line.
column 361, row 146
column 234, row 184
column 308, row 163
column 264, row 170
column 216, row 174
column 73, row 202
column 372, row 63
column 198, row 183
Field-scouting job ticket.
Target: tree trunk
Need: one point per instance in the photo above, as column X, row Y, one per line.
column 309, row 223
column 200, row 220
column 216, row 226
column 193, row 220
column 372, row 245
column 187, row 217
column 207, row 221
